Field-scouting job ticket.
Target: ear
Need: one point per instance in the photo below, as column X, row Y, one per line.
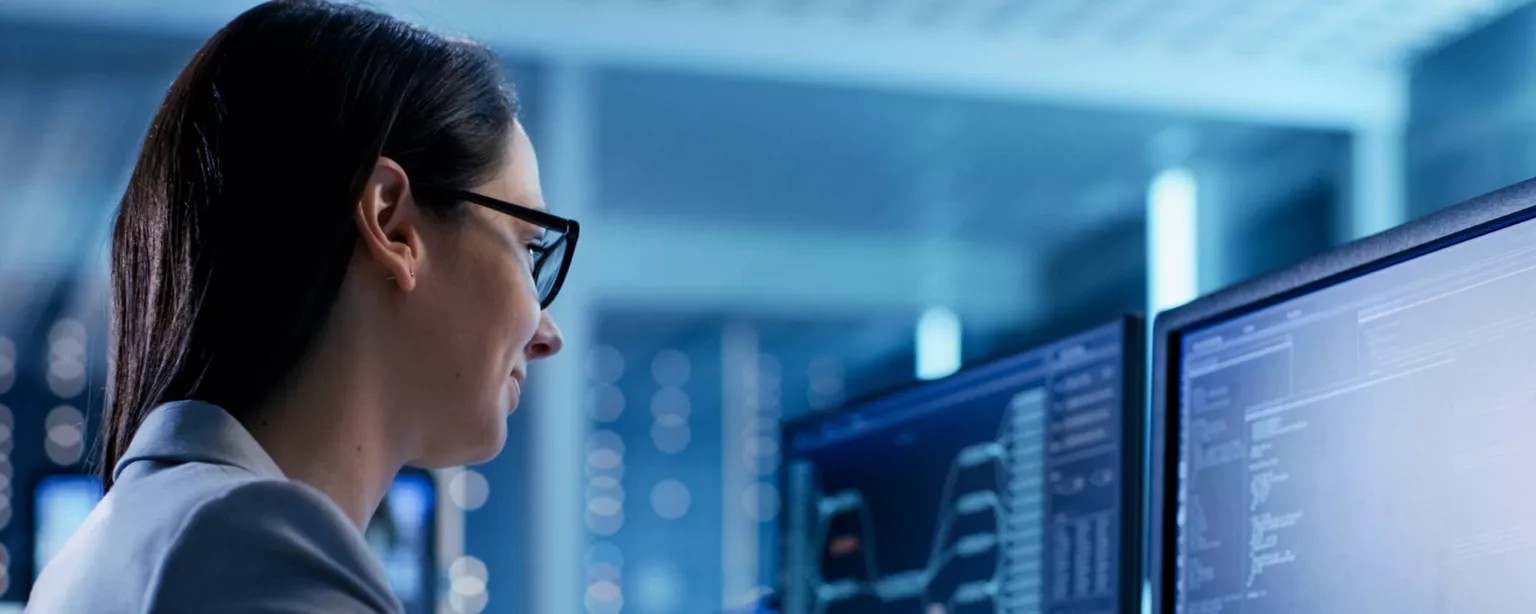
column 388, row 225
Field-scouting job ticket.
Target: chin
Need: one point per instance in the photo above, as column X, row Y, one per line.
column 469, row 445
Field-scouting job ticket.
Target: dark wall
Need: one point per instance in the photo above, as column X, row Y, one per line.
column 1473, row 115
column 1283, row 233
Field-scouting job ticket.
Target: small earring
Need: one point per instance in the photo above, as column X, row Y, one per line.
column 393, row 278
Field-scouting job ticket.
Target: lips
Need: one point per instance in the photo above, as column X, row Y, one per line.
column 517, row 380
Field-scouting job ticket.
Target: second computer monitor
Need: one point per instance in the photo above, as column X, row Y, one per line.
column 1011, row 487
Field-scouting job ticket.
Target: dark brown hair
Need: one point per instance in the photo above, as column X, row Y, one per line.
column 236, row 229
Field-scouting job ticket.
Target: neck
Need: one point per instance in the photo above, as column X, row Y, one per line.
column 325, row 429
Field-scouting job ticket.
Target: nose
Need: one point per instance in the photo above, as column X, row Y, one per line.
column 547, row 340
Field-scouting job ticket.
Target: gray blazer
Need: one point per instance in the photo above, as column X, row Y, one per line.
column 202, row 520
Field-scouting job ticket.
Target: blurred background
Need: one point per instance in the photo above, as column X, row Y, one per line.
column 788, row 203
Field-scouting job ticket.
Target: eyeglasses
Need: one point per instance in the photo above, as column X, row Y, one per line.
column 551, row 257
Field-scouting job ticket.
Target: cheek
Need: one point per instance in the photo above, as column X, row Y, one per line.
column 506, row 304
column 524, row 301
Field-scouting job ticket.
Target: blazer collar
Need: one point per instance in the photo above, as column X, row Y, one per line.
column 193, row 432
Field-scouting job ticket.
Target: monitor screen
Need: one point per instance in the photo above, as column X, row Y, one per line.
column 60, row 505
column 996, row 490
column 1364, row 447
column 400, row 534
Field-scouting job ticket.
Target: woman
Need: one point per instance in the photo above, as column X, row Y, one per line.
column 318, row 277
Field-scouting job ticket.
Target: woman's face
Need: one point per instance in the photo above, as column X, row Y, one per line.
column 479, row 323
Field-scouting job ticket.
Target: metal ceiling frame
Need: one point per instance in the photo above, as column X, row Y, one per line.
column 697, row 36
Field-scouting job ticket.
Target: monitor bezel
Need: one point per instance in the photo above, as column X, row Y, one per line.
column 1461, row 222
column 1133, row 423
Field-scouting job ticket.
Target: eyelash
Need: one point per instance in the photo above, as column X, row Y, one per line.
column 535, row 250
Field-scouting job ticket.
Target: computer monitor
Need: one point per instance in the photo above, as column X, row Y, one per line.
column 402, row 532
column 1355, row 434
column 1010, row 487
column 60, row 503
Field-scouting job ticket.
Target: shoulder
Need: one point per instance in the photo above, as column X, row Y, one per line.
column 284, row 514
column 271, row 545
column 199, row 537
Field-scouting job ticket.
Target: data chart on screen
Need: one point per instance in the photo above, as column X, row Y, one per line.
column 998, row 490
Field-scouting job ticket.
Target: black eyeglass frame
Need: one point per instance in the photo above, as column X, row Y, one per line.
column 570, row 230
